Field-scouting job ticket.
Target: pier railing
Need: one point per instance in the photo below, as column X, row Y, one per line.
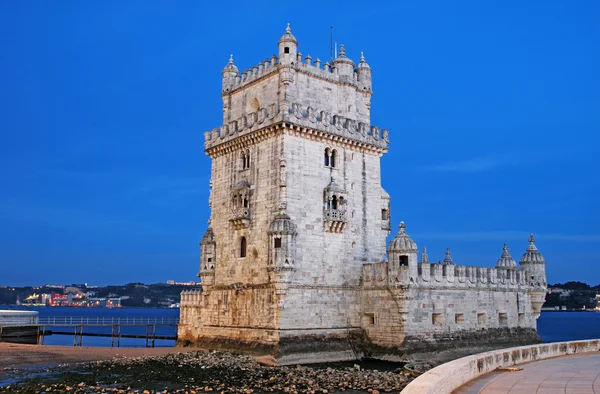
column 107, row 321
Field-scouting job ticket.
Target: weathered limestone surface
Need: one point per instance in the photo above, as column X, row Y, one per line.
column 294, row 262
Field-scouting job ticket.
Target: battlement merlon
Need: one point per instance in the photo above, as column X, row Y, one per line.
column 303, row 119
column 341, row 70
column 385, row 274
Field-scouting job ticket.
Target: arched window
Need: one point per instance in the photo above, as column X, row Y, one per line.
column 245, row 202
column 243, row 160
column 327, row 153
column 333, row 158
column 243, row 247
column 334, row 202
column 248, row 158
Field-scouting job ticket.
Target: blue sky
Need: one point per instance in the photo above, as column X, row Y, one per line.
column 493, row 110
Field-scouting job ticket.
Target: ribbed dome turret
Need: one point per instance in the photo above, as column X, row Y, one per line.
column 342, row 57
column 288, row 36
column 506, row 261
column 230, row 67
column 532, row 255
column 448, row 259
column 402, row 242
column 363, row 63
column 282, row 224
column 209, row 237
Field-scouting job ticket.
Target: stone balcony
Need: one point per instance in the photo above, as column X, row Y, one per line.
column 335, row 220
column 240, row 218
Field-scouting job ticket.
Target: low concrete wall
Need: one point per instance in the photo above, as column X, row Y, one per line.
column 449, row 376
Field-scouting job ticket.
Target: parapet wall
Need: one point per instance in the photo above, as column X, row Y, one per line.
column 299, row 114
column 450, row 376
column 270, row 65
column 377, row 275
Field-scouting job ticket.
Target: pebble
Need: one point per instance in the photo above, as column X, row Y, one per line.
column 221, row 372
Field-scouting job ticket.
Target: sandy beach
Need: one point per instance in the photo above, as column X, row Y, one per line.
column 15, row 355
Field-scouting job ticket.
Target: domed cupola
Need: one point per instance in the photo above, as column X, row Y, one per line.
column 230, row 73
column 288, row 37
column 230, row 67
column 288, row 47
column 448, row 259
column 343, row 65
column 534, row 264
column 282, row 225
column 363, row 73
column 402, row 258
column 532, row 255
column 402, row 242
column 506, row 261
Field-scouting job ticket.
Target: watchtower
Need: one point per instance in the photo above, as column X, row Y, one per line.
column 296, row 204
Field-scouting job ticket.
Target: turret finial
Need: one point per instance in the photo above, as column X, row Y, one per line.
column 402, row 226
column 288, row 29
column 424, row 256
column 231, row 59
column 362, row 57
column 342, row 51
column 531, row 238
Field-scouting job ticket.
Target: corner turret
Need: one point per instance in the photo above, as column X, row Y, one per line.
column 534, row 265
column 533, row 262
column 208, row 249
column 282, row 251
column 230, row 73
column 363, row 72
column 343, row 66
column 402, row 257
column 288, row 47
column 506, row 260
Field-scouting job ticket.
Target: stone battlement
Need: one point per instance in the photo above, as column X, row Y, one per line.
column 376, row 275
column 306, row 116
column 328, row 71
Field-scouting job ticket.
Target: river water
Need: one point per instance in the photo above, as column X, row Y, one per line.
column 552, row 326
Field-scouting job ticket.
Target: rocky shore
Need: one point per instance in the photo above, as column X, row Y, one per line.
column 201, row 371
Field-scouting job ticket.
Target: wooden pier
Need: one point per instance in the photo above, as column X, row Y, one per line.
column 78, row 323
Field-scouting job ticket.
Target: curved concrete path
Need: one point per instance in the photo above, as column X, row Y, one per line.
column 566, row 374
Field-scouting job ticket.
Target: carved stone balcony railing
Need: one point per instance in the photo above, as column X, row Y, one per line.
column 335, row 220
column 241, row 218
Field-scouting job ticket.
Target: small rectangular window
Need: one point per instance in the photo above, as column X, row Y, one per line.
column 459, row 318
column 521, row 318
column 403, row 261
column 481, row 318
column 369, row 319
column 278, row 242
column 437, row 320
column 502, row 319
column 286, row 50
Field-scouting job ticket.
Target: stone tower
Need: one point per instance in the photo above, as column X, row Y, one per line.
column 297, row 208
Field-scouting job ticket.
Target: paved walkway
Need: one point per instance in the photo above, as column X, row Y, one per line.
column 568, row 374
